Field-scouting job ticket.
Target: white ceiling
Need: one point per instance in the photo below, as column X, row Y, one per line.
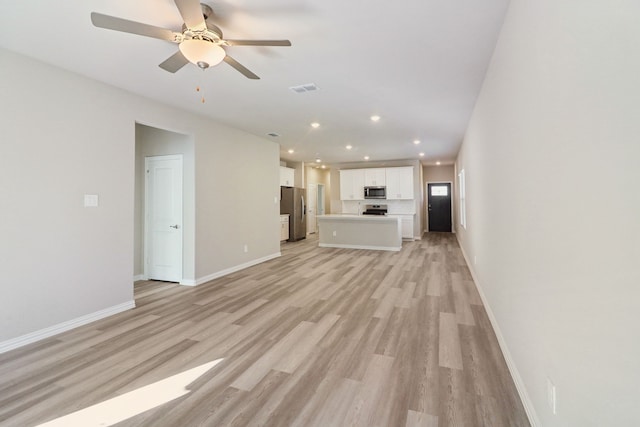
column 419, row 64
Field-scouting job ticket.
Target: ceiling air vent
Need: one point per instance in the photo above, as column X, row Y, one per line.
column 309, row 87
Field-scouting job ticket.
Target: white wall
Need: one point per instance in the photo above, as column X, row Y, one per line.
column 553, row 207
column 63, row 136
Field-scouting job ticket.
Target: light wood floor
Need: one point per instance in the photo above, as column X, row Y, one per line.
column 317, row 337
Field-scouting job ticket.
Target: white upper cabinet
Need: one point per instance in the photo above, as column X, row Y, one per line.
column 375, row 177
column 352, row 184
column 286, row 176
column 400, row 183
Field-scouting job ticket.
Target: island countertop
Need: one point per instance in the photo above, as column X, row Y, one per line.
column 359, row 217
column 377, row 232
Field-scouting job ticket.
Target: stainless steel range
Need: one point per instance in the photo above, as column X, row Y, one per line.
column 375, row 210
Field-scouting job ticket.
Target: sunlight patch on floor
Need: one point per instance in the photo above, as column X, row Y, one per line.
column 135, row 402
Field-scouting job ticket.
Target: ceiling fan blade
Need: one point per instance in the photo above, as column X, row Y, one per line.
column 191, row 13
column 238, row 66
column 258, row 42
column 133, row 27
column 174, row 62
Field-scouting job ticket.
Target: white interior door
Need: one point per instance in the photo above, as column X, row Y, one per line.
column 163, row 218
column 312, row 196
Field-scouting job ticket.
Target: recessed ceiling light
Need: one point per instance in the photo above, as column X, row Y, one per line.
column 315, row 125
column 318, row 160
column 421, row 154
column 375, row 118
column 323, row 166
column 366, row 157
column 348, row 147
column 416, row 141
column 290, row 151
column 438, row 163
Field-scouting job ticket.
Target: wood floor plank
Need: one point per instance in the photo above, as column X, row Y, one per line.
column 450, row 353
column 372, row 391
column 317, row 337
column 419, row 419
column 262, row 366
column 296, row 352
column 335, row 408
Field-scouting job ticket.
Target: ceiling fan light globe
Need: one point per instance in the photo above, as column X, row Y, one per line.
column 202, row 53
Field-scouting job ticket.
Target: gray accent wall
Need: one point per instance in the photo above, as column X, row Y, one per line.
column 553, row 207
column 63, row 136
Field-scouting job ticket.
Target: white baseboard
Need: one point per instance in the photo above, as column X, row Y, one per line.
column 222, row 273
column 517, row 379
column 64, row 326
column 140, row 277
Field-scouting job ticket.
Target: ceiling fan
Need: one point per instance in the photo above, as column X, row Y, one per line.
column 199, row 42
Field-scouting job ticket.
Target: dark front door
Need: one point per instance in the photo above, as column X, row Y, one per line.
column 439, row 207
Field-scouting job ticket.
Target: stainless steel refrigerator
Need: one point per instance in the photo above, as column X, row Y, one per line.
column 292, row 203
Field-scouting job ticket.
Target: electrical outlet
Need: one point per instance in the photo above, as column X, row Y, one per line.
column 551, row 395
column 334, row 233
column 246, row 248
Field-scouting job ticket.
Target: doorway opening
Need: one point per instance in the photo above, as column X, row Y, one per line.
column 151, row 142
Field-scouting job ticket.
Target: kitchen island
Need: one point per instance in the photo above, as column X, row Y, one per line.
column 375, row 232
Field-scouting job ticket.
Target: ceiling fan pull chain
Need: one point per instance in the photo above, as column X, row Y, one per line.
column 200, row 90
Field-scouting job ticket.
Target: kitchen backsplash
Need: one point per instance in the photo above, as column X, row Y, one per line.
column 406, row 207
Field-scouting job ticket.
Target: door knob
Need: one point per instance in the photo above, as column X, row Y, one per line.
column 175, row 226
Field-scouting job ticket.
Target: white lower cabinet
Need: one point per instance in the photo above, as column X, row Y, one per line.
column 284, row 227
column 407, row 227
column 406, row 222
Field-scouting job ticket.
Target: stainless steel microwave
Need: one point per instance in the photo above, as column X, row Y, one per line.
column 375, row 192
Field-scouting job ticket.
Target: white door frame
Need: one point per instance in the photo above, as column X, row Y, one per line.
column 312, row 208
column 321, row 198
column 145, row 216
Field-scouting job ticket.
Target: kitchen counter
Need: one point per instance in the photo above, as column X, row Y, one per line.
column 377, row 232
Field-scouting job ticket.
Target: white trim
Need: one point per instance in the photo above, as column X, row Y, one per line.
column 221, row 273
column 462, row 198
column 375, row 248
column 517, row 379
column 140, row 277
column 65, row 326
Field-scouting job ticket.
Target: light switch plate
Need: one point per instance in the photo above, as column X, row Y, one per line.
column 90, row 200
